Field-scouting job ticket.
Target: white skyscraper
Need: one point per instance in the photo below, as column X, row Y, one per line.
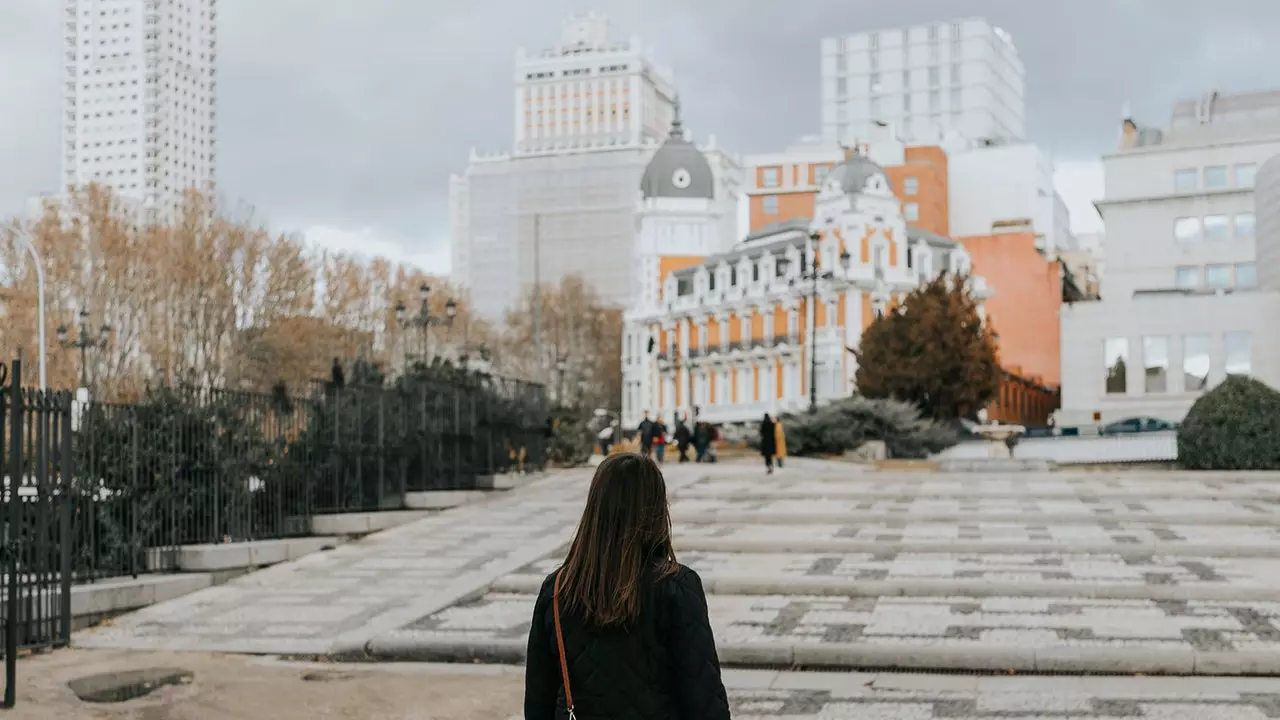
column 588, row 116
column 139, row 99
column 963, row 78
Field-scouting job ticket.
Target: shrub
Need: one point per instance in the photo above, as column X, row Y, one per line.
column 845, row 425
column 572, row 440
column 1235, row 426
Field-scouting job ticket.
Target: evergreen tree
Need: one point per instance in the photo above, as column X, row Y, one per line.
column 934, row 351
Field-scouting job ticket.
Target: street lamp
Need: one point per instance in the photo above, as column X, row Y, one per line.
column 83, row 341
column 424, row 319
column 562, row 364
column 814, row 275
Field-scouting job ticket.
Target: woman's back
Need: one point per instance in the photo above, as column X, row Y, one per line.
column 661, row 667
column 621, row 623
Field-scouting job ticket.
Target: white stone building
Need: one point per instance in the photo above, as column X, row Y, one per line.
column 140, row 94
column 733, row 334
column 963, row 78
column 588, row 116
column 1182, row 306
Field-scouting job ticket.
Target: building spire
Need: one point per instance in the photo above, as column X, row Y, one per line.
column 677, row 128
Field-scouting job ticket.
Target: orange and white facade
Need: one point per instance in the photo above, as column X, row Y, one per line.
column 733, row 334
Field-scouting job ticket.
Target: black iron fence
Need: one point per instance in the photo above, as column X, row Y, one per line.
column 115, row 489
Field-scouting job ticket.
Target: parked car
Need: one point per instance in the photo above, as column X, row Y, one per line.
column 1136, row 425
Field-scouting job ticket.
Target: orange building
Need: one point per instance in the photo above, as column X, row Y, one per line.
column 1024, row 314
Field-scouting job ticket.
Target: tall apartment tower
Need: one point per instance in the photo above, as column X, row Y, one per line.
column 139, row 99
column 589, row 92
column 958, row 79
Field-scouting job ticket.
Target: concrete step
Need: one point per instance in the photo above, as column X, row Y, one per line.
column 1025, row 634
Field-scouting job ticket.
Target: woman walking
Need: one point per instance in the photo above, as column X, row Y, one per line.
column 768, row 441
column 620, row 631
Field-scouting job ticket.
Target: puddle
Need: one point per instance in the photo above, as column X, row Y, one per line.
column 129, row 685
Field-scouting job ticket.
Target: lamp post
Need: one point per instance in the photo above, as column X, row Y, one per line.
column 562, row 365
column 424, row 319
column 814, row 275
column 83, row 341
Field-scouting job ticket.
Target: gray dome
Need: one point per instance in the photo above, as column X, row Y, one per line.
column 678, row 169
column 852, row 175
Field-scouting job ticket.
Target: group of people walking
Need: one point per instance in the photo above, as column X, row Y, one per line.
column 654, row 439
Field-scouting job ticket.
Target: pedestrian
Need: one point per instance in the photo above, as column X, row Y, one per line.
column 646, row 435
column 779, row 441
column 606, row 438
column 620, row 630
column 660, row 440
column 683, row 439
column 768, row 441
column 701, row 440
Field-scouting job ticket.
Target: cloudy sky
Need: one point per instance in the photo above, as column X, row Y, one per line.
column 343, row 119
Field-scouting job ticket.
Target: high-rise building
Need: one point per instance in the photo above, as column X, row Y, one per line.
column 590, row 92
column 588, row 115
column 139, row 95
column 960, row 78
column 1184, row 302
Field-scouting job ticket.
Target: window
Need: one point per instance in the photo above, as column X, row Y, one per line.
column 770, row 204
column 906, row 78
column 1195, row 362
column 874, row 41
column 733, row 277
column 935, row 101
column 911, row 211
column 956, row 102
column 711, row 281
column 935, row 76
column 1217, row 276
column 755, row 272
column 875, row 107
column 1245, row 175
column 911, row 186
column 955, row 73
column 1215, row 177
column 684, row 286
column 842, row 86
column 1244, row 226
column 1186, row 229
column 1185, row 180
column 874, row 59
column 875, row 82
column 770, row 177
column 1188, row 277
column 1246, row 275
column 1117, row 360
column 1216, row 227
column 906, row 103
column 1239, row 346
column 1155, row 359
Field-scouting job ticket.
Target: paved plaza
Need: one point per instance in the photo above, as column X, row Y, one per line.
column 825, row 565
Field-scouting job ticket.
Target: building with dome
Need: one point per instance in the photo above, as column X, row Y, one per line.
column 733, row 334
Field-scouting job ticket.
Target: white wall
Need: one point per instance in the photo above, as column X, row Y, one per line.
column 1004, row 183
column 1087, row 326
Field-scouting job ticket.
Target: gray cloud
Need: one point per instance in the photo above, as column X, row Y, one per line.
column 351, row 114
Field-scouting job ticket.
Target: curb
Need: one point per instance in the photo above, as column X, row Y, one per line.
column 839, row 492
column 836, row 545
column 849, row 518
column 839, row 587
column 408, row 646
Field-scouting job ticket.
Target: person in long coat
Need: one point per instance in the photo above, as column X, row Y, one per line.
column 768, row 441
column 780, row 441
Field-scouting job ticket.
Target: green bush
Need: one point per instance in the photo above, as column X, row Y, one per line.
column 572, row 440
column 1235, row 426
column 845, row 425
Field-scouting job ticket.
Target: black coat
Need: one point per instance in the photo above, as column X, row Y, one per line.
column 768, row 439
column 664, row 667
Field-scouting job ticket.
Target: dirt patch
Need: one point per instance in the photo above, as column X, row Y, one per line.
column 235, row 687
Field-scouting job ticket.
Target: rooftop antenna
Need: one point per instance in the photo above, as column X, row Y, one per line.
column 677, row 128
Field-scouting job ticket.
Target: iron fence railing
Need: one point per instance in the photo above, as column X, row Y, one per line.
column 110, row 490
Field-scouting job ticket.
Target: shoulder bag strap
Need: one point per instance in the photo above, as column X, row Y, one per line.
column 564, row 663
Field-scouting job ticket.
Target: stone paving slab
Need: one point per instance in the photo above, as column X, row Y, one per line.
column 1030, row 530
column 1025, row 634
column 1071, row 573
column 336, row 601
column 1269, row 494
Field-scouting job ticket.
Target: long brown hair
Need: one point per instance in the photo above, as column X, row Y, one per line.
column 624, row 535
